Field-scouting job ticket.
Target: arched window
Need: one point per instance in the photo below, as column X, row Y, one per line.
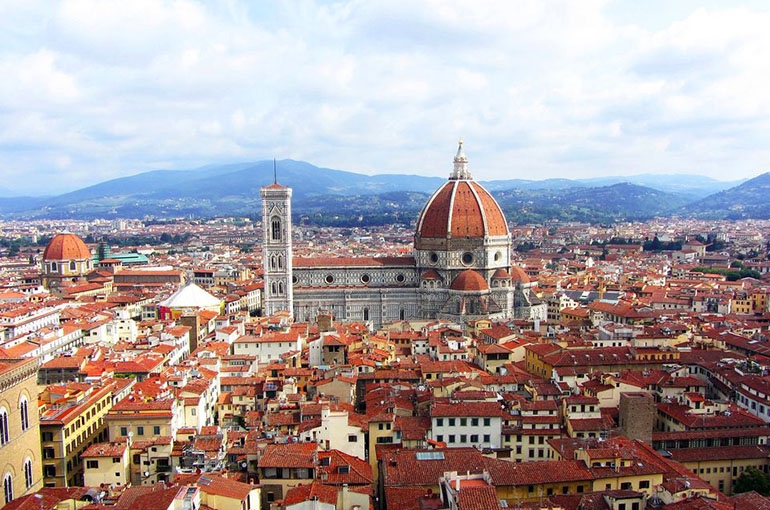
column 4, row 432
column 73, row 266
column 275, row 229
column 272, row 261
column 54, row 267
column 280, row 262
column 8, row 488
column 401, row 314
column 366, row 314
column 24, row 412
column 274, row 288
column 280, row 288
column 28, row 473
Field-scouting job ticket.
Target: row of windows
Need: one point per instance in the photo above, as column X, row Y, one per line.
column 140, row 430
column 5, row 436
column 365, row 279
column 474, row 438
column 94, row 463
column 463, row 422
column 73, row 266
column 8, row 481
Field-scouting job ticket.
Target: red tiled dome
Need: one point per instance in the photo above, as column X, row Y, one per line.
column 430, row 274
column 469, row 280
column 66, row 247
column 461, row 209
column 501, row 273
column 518, row 275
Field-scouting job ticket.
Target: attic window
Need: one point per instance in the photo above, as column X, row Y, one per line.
column 343, row 469
column 325, row 461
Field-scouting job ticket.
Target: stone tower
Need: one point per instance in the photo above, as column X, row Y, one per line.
column 276, row 249
column 637, row 415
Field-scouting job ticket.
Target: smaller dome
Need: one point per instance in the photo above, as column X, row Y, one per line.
column 66, row 247
column 430, row 274
column 518, row 275
column 501, row 274
column 469, row 280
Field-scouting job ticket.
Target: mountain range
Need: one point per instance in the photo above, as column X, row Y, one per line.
column 328, row 196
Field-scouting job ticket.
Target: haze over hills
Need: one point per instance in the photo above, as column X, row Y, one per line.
column 750, row 199
column 336, row 196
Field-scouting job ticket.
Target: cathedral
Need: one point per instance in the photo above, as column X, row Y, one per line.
column 460, row 268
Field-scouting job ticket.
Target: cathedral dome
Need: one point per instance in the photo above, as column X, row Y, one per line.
column 66, row 247
column 501, row 274
column 469, row 280
column 518, row 275
column 461, row 209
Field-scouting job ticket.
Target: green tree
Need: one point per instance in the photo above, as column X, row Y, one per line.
column 753, row 479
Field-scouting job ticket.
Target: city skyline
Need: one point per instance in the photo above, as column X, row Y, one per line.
column 99, row 90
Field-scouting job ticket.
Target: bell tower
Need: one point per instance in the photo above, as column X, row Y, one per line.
column 276, row 249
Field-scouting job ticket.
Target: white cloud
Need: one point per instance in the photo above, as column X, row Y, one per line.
column 546, row 89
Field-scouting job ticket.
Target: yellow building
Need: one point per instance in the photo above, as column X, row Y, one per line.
column 721, row 466
column 71, row 420
column 19, row 420
column 143, row 420
column 106, row 463
column 151, row 460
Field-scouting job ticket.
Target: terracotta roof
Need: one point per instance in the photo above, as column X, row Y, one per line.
column 105, row 450
column 469, row 280
column 291, row 455
column 518, row 275
column 426, row 467
column 66, row 247
column 726, row 453
column 461, row 209
column 359, row 472
column 313, row 492
column 478, row 498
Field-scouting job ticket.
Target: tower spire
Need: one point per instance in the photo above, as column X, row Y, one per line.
column 275, row 172
column 460, row 171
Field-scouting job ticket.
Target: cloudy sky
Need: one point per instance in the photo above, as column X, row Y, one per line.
column 96, row 89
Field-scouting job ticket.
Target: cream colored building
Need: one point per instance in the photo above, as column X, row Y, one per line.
column 71, row 419
column 143, row 420
column 19, row 432
column 335, row 433
column 106, row 463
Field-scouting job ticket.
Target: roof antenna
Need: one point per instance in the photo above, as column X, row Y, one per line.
column 275, row 172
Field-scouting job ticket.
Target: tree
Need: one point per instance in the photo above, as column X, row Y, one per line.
column 753, row 479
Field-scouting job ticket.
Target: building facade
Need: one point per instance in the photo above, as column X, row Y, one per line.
column 19, row 433
column 460, row 268
column 276, row 248
column 71, row 420
column 66, row 260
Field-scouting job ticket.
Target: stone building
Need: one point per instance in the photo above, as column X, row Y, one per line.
column 19, row 433
column 460, row 268
column 66, row 260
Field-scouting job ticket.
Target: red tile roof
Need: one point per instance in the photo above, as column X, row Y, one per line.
column 291, row 455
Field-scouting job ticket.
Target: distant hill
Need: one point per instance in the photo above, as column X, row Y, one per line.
column 687, row 185
column 748, row 200
column 692, row 187
column 328, row 196
column 618, row 202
